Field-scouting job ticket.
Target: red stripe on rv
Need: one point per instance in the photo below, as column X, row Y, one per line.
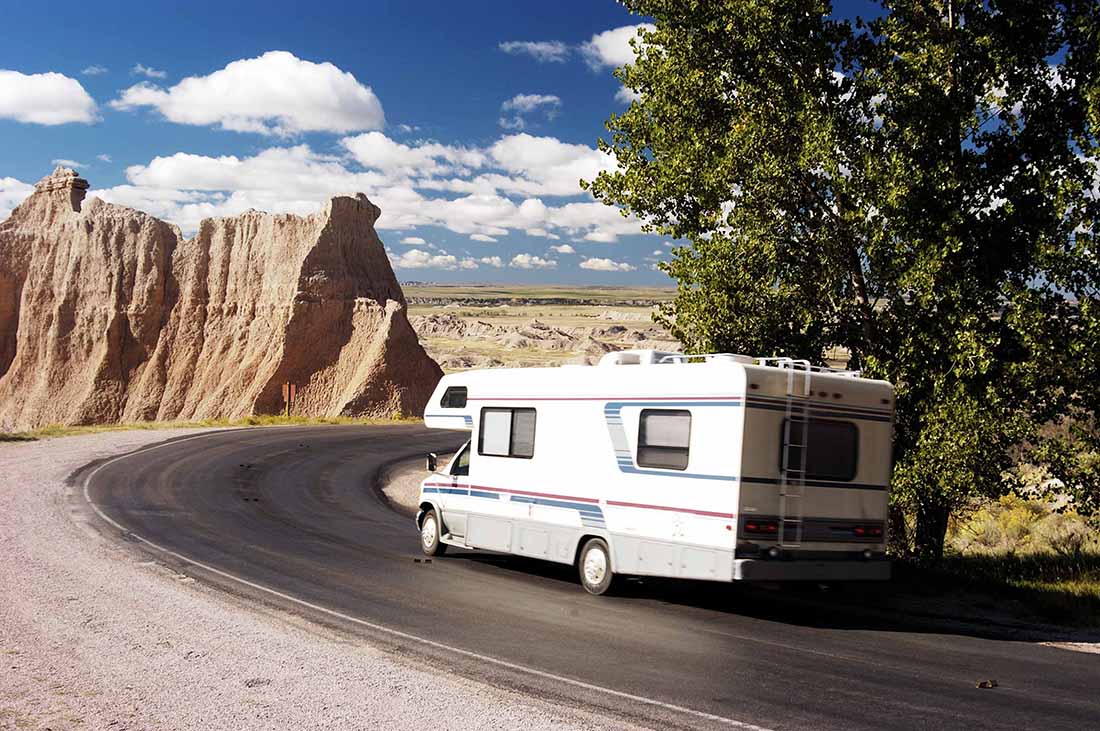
column 604, row 398
column 536, row 494
column 670, row 508
column 593, row 501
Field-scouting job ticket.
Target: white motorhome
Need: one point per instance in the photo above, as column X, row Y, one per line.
column 719, row 467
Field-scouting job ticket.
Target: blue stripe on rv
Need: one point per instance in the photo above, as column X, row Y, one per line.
column 590, row 513
column 612, row 412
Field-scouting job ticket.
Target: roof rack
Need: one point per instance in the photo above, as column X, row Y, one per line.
column 804, row 365
column 688, row 357
column 791, row 363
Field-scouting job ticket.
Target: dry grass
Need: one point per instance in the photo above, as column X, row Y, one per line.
column 1058, row 588
column 60, row 430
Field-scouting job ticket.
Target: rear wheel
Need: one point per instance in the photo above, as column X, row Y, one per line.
column 594, row 566
column 430, row 542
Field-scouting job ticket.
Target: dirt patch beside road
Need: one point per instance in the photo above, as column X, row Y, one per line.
column 400, row 482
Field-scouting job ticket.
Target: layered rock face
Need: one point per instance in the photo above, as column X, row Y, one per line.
column 109, row 315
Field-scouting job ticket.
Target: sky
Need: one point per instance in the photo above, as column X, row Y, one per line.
column 468, row 123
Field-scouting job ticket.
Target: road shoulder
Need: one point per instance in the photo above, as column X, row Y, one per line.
column 95, row 634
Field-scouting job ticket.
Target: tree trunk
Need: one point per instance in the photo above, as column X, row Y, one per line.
column 898, row 531
column 931, row 528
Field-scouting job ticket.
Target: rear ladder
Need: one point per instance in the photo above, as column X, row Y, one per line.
column 796, row 430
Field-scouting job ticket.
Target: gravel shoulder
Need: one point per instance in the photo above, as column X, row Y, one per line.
column 400, row 482
column 94, row 635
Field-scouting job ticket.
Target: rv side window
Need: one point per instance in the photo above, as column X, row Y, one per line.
column 507, row 433
column 454, row 398
column 663, row 438
column 832, row 448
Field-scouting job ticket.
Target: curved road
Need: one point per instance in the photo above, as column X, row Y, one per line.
column 289, row 517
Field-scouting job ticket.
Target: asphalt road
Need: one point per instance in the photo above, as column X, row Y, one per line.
column 290, row 517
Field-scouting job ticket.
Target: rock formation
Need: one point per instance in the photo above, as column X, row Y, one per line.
column 109, row 315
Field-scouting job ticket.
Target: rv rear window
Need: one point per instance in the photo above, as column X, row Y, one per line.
column 664, row 436
column 832, row 448
column 507, row 433
column 454, row 398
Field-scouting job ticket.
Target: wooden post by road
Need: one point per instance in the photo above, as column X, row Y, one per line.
column 290, row 393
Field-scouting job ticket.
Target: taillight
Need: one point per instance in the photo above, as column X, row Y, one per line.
column 863, row 531
column 762, row 526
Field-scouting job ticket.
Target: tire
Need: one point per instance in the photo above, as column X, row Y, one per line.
column 594, row 567
column 430, row 542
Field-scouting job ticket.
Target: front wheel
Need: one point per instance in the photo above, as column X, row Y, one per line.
column 430, row 543
column 594, row 566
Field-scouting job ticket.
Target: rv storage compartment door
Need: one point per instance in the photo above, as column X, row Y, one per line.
column 491, row 533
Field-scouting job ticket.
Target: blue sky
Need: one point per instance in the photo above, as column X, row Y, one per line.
column 468, row 123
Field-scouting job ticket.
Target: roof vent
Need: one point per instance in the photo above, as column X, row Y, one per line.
column 634, row 357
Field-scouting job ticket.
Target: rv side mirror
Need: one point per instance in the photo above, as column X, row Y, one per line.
column 433, row 462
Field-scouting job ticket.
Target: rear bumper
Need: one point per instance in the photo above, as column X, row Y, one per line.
column 752, row 569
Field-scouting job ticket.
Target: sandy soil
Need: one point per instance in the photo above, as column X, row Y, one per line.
column 92, row 636
column 401, row 483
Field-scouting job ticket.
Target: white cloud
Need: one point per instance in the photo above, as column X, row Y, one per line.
column 625, row 95
column 612, row 47
column 530, row 102
column 67, row 163
column 493, row 261
column 407, row 128
column 413, row 241
column 276, row 93
column 491, row 201
column 542, row 51
column 657, row 252
column 522, row 164
column 103, row 157
column 563, row 249
column 149, row 73
column 522, row 104
column 419, row 259
column 50, row 98
column 185, row 188
column 377, row 151
column 543, row 165
column 94, row 70
column 12, row 193
column 600, row 237
column 606, row 265
column 483, row 238
column 529, row 261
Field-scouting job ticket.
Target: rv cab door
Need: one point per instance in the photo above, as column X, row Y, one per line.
column 458, row 474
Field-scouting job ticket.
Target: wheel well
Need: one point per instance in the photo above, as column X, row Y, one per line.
column 424, row 508
column 584, row 539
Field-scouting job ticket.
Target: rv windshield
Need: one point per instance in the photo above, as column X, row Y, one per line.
column 462, row 462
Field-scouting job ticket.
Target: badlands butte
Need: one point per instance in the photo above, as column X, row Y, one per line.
column 110, row 315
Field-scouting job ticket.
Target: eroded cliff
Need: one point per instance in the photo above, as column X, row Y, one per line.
column 108, row 314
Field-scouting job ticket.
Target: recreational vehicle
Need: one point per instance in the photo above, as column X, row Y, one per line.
column 720, row 467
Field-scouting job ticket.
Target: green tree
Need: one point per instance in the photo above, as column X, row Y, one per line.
column 919, row 188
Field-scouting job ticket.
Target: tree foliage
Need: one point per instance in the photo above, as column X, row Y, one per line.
column 919, row 188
